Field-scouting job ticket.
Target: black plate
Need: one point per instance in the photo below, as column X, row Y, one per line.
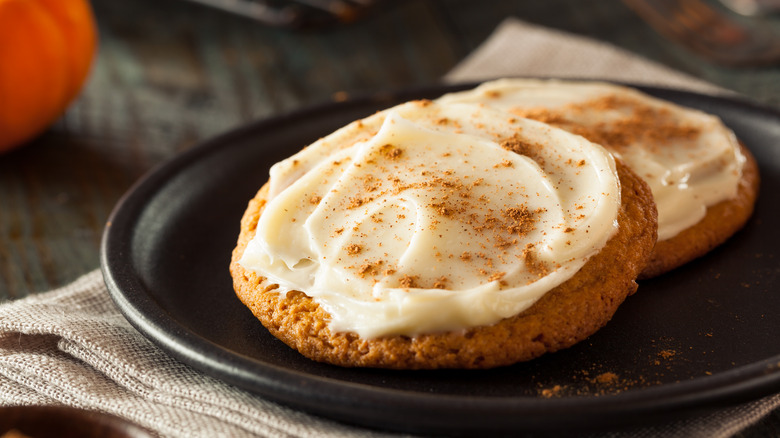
column 701, row 337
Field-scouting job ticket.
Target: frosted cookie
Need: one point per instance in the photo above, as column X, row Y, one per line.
column 442, row 235
column 704, row 182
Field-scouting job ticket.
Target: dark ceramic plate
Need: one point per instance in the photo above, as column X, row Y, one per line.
column 701, row 337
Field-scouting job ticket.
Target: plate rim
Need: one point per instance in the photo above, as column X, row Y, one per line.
column 668, row 401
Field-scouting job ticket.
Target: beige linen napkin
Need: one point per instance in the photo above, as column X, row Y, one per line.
column 517, row 48
column 71, row 346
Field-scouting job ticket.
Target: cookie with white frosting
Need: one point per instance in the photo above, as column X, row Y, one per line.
column 442, row 236
column 703, row 180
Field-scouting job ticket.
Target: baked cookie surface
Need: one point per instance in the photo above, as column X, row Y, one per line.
column 563, row 316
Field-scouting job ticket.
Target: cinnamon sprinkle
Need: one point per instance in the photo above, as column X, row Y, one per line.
column 391, row 152
column 408, row 281
column 532, row 263
column 357, row 202
column 643, row 124
column 520, row 221
column 523, row 147
column 353, row 249
column 497, row 276
column 441, row 283
column 369, row 268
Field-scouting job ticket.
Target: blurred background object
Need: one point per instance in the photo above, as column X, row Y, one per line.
column 710, row 32
column 296, row 13
column 753, row 7
column 64, row 422
column 46, row 49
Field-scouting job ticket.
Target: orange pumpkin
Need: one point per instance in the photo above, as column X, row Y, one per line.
column 46, row 48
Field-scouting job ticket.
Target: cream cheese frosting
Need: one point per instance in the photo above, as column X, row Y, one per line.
column 690, row 159
column 434, row 217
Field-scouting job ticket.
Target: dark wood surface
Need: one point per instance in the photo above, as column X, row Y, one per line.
column 170, row 74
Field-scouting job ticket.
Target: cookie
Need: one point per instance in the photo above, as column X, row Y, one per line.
column 436, row 236
column 704, row 182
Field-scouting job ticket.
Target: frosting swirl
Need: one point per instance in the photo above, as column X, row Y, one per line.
column 433, row 217
column 690, row 159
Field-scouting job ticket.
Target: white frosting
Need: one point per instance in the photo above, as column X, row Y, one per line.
column 420, row 219
column 689, row 159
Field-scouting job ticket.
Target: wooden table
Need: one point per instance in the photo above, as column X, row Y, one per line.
column 170, row 74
